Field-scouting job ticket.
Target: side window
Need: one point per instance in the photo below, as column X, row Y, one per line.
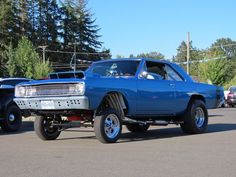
column 171, row 74
column 155, row 70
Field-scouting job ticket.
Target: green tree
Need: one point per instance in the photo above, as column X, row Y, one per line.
column 9, row 22
column 105, row 54
column 79, row 27
column 223, row 47
column 47, row 16
column 153, row 55
column 120, row 56
column 54, row 24
column 230, row 83
column 87, row 32
column 42, row 70
column 221, row 67
column 215, row 71
column 24, row 61
column 195, row 56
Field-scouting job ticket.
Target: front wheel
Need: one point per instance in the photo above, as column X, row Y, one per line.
column 12, row 119
column 108, row 126
column 195, row 118
column 44, row 129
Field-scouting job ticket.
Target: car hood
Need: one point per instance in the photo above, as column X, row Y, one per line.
column 52, row 81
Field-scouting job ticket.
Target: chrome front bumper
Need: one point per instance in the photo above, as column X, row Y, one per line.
column 53, row 103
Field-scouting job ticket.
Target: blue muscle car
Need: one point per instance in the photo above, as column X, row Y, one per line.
column 111, row 93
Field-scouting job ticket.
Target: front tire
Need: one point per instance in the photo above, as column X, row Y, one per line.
column 108, row 126
column 12, row 119
column 195, row 118
column 44, row 130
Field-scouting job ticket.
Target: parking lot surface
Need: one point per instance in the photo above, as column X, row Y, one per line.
column 162, row 151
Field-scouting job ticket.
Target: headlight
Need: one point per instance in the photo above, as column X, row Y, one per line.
column 80, row 88
column 30, row 91
column 20, row 91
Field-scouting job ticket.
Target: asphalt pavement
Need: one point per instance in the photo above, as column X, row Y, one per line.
column 161, row 152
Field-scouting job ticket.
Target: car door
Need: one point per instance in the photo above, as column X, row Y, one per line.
column 155, row 93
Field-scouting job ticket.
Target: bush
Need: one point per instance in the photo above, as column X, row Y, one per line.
column 24, row 61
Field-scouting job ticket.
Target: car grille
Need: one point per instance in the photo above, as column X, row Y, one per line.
column 51, row 90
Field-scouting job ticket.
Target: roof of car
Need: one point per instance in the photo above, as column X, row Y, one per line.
column 134, row 59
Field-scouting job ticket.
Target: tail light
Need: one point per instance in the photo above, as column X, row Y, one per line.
column 230, row 94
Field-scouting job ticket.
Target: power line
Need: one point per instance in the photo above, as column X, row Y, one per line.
column 218, row 46
column 200, row 61
column 80, row 53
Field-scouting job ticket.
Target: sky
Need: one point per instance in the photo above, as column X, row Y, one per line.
column 141, row 26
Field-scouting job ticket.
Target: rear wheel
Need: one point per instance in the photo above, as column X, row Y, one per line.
column 138, row 127
column 44, row 129
column 108, row 126
column 13, row 119
column 195, row 118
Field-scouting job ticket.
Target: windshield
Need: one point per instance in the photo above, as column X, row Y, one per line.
column 114, row 68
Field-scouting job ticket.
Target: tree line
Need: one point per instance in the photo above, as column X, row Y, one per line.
column 216, row 64
column 27, row 26
column 57, row 25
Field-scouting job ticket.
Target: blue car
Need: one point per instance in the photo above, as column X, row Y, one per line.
column 111, row 93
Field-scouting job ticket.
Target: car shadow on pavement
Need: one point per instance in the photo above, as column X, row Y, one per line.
column 152, row 134
column 220, row 127
column 215, row 115
column 26, row 127
column 156, row 133
column 171, row 133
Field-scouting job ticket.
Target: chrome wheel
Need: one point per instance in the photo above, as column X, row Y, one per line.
column 11, row 117
column 108, row 126
column 195, row 118
column 199, row 117
column 112, row 126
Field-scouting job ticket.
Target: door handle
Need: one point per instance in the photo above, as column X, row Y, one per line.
column 172, row 85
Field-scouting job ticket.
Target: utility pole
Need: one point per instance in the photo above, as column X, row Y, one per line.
column 43, row 47
column 74, row 55
column 188, row 51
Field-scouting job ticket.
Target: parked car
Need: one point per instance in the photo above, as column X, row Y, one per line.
column 231, row 97
column 111, row 93
column 10, row 114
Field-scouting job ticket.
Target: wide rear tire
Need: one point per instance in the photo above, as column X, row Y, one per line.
column 195, row 118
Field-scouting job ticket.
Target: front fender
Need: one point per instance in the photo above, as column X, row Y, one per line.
column 98, row 88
